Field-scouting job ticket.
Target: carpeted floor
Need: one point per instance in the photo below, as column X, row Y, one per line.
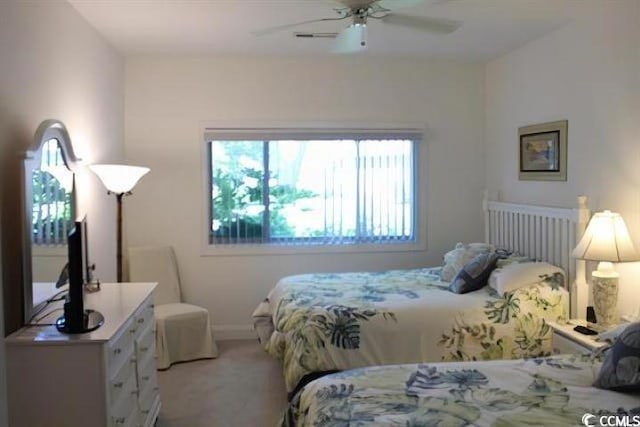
column 243, row 387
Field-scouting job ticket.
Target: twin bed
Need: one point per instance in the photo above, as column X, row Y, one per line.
column 551, row 391
column 328, row 322
column 319, row 324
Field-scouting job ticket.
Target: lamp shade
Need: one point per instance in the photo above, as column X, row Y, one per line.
column 119, row 179
column 606, row 239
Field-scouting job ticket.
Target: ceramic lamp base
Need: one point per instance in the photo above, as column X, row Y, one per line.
column 605, row 298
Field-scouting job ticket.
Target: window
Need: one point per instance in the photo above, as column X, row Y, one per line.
column 324, row 188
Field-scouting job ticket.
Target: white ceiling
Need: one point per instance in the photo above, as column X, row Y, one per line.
column 490, row 27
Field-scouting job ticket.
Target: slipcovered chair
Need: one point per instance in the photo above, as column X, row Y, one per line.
column 183, row 331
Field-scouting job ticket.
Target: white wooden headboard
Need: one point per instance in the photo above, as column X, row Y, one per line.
column 542, row 233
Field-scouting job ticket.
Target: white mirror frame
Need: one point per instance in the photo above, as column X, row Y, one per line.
column 48, row 129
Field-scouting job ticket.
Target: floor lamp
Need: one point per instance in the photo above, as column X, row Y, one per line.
column 119, row 180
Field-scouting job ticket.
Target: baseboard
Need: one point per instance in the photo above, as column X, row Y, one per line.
column 233, row 332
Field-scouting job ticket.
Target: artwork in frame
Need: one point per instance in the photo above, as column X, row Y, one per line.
column 543, row 152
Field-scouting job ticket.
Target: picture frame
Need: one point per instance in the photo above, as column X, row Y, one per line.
column 543, row 151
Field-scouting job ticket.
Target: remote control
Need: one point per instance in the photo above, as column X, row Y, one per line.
column 584, row 330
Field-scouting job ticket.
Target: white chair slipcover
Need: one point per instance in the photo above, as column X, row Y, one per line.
column 183, row 331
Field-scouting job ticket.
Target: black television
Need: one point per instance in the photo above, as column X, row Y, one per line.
column 77, row 319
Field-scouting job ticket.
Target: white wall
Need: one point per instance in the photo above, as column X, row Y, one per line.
column 55, row 66
column 588, row 73
column 167, row 100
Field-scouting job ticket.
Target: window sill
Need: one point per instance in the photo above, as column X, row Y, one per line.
column 278, row 249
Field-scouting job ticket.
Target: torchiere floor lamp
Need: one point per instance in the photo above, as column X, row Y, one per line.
column 119, row 180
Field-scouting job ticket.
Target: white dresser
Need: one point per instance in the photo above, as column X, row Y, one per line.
column 103, row 378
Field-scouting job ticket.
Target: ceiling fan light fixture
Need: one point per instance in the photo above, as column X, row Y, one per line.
column 362, row 33
column 352, row 39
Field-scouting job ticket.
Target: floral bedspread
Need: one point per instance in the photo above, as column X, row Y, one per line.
column 326, row 322
column 553, row 391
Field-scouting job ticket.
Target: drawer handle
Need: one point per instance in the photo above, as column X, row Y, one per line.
column 117, row 351
column 140, row 320
column 145, row 378
column 152, row 305
column 120, row 420
column 134, row 392
column 118, row 384
column 156, row 388
column 146, row 412
column 132, row 331
column 143, row 349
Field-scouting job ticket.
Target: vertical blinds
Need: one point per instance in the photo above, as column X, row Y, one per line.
column 51, row 202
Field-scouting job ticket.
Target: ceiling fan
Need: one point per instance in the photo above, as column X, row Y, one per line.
column 354, row 37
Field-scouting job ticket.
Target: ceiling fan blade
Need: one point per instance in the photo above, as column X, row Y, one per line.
column 422, row 23
column 351, row 40
column 271, row 30
column 351, row 4
column 385, row 4
column 398, row 4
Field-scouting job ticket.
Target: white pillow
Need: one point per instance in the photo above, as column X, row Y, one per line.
column 512, row 259
column 518, row 275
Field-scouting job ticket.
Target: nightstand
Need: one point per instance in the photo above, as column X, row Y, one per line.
column 566, row 340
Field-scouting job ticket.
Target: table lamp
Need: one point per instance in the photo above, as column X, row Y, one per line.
column 605, row 240
column 119, row 180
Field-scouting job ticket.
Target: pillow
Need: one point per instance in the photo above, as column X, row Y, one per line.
column 518, row 275
column 612, row 334
column 474, row 274
column 620, row 370
column 512, row 259
column 455, row 259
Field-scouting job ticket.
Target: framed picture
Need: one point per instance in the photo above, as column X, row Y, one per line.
column 543, row 152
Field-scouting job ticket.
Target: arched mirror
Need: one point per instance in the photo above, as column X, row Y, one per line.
column 50, row 211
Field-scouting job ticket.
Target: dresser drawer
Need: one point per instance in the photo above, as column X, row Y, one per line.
column 147, row 374
column 124, row 412
column 145, row 344
column 149, row 406
column 144, row 316
column 129, row 420
column 120, row 346
column 118, row 384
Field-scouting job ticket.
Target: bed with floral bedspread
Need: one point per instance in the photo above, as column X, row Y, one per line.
column 317, row 323
column 552, row 391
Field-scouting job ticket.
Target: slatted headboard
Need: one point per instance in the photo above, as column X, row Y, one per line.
column 542, row 233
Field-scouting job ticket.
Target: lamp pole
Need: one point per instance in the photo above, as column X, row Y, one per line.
column 119, row 243
column 119, row 197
